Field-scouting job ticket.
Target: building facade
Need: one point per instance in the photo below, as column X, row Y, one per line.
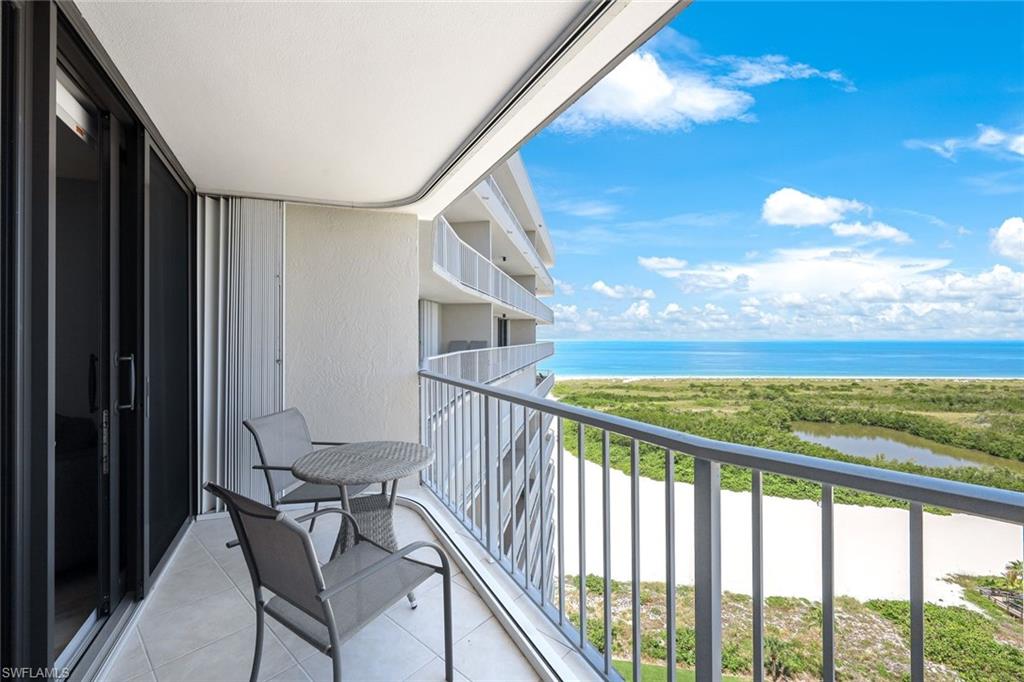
column 483, row 268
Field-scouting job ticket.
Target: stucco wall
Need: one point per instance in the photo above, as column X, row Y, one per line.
column 351, row 331
column 465, row 322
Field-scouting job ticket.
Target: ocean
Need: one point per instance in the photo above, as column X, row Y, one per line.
column 949, row 359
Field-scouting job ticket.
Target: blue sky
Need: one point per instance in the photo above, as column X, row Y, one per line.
column 796, row 170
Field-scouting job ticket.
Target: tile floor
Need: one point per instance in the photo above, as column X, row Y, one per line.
column 199, row 624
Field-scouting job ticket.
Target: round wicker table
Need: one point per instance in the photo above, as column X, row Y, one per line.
column 360, row 464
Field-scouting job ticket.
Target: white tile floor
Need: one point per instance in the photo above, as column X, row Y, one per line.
column 199, row 625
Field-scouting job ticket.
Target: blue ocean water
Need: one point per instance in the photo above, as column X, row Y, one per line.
column 788, row 358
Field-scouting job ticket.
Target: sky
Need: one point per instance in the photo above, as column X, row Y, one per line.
column 795, row 171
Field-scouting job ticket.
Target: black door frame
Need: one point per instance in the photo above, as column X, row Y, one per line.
column 28, row 61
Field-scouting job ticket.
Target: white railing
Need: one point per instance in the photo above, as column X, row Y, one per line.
column 544, row 384
column 534, row 255
column 512, row 504
column 485, row 365
column 473, row 270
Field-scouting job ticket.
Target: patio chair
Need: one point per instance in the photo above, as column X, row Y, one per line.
column 325, row 605
column 281, row 438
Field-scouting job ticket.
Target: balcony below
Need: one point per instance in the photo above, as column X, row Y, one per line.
column 199, row 623
column 485, row 365
column 458, row 267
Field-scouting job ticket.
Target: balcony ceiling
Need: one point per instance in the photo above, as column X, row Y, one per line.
column 350, row 103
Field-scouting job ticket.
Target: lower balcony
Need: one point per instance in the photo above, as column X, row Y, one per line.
column 484, row 365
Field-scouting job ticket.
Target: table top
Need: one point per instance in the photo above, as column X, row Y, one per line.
column 360, row 463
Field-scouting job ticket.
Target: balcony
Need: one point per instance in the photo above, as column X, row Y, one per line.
column 521, row 517
column 507, row 218
column 545, row 382
column 485, row 365
column 464, row 264
column 199, row 623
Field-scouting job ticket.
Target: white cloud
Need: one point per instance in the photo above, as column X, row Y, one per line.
column 585, row 208
column 987, row 139
column 809, row 271
column 664, row 266
column 638, row 310
column 564, row 288
column 640, row 93
column 619, row 291
column 770, row 68
column 1008, row 238
column 871, row 231
column 670, row 85
column 568, row 319
column 789, row 206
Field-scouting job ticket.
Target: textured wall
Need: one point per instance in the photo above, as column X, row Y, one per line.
column 465, row 322
column 351, row 292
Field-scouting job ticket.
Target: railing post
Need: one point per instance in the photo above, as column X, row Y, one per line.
column 707, row 537
column 491, row 493
column 916, row 593
column 828, row 620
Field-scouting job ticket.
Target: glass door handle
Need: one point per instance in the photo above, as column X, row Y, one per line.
column 130, row 359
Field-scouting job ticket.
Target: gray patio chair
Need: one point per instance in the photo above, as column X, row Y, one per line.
column 456, row 346
column 477, row 345
column 281, row 438
column 325, row 605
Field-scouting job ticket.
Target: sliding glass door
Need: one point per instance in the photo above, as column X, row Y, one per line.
column 169, row 374
column 86, row 313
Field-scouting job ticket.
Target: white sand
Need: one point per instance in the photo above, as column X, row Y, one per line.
column 871, row 544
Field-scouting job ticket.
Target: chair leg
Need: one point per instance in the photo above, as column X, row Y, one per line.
column 312, row 521
column 446, row 577
column 336, row 664
column 412, row 600
column 258, row 654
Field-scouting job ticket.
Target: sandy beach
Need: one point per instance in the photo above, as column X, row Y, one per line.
column 871, row 546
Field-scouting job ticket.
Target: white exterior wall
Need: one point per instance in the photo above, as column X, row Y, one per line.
column 476, row 234
column 465, row 322
column 351, row 343
column 521, row 331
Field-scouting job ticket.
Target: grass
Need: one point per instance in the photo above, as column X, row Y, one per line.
column 872, row 638
column 650, row 672
column 983, row 415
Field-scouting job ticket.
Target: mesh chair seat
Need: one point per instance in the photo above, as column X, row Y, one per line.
column 360, row 603
column 317, row 602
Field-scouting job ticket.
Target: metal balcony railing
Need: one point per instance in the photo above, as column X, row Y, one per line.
column 472, row 269
column 487, row 438
column 545, row 382
column 531, row 254
column 485, row 365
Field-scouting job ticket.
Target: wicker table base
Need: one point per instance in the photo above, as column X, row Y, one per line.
column 373, row 514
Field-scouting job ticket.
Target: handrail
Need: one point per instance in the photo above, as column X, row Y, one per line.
column 488, row 364
column 474, row 270
column 491, row 459
column 993, row 503
column 492, row 184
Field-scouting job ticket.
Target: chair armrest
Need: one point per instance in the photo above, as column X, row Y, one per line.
column 327, row 442
column 328, row 592
column 332, row 510
column 271, row 467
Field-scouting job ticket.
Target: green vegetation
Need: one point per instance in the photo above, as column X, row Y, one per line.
column 963, row 640
column 650, row 672
column 983, row 415
column 871, row 638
